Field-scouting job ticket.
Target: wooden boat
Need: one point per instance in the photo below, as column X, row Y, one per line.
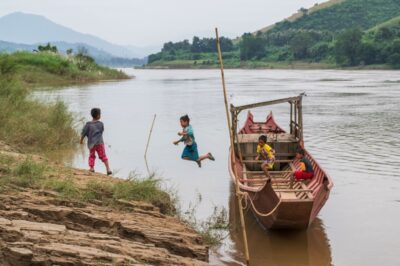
column 278, row 203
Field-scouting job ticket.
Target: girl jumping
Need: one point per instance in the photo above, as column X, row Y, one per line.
column 190, row 152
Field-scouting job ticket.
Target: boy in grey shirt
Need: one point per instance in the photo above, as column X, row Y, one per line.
column 93, row 130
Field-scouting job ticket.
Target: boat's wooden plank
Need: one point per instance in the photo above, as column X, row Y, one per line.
column 253, row 138
column 293, row 190
column 258, row 161
column 274, row 181
column 267, row 103
column 270, row 172
column 278, row 154
column 288, row 195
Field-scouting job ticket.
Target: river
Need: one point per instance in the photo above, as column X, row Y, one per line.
column 352, row 128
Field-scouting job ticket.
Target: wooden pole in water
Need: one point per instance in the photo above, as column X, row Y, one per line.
column 242, row 223
column 148, row 142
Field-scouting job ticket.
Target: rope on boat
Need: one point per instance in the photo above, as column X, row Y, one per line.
column 246, row 196
column 243, row 197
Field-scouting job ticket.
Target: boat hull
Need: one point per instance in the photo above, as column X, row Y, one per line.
column 288, row 215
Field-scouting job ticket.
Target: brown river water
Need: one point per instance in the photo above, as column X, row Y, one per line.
column 352, row 128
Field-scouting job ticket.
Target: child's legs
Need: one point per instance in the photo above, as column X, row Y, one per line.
column 265, row 167
column 300, row 175
column 203, row 157
column 92, row 157
column 101, row 152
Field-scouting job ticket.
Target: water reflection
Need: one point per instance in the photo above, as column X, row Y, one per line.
column 305, row 247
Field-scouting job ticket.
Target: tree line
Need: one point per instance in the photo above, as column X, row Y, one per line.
column 350, row 47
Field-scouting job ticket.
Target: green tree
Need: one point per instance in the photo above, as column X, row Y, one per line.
column 320, row 51
column 196, row 45
column 394, row 57
column 348, row 47
column 368, row 53
column 252, row 47
column 301, row 44
column 47, row 48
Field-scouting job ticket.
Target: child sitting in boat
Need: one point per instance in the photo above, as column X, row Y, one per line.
column 190, row 152
column 93, row 130
column 265, row 153
column 306, row 169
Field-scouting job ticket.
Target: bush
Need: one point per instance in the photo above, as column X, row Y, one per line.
column 66, row 188
column 28, row 173
column 147, row 189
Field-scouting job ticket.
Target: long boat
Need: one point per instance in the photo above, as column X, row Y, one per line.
column 277, row 202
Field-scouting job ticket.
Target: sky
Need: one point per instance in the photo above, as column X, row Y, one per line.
column 153, row 22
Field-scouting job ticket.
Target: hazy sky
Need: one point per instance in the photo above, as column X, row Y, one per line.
column 153, row 22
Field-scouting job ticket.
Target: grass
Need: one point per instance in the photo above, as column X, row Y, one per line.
column 29, row 173
column 51, row 69
column 31, row 125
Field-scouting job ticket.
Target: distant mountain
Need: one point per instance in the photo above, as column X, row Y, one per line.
column 25, row 28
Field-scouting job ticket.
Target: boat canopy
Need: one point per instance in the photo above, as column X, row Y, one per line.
column 296, row 113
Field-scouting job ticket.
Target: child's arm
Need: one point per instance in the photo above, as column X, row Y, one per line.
column 183, row 135
column 84, row 133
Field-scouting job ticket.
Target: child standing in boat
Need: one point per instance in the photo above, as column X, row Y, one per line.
column 190, row 151
column 265, row 153
column 93, row 130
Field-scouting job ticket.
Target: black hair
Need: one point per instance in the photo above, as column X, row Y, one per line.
column 95, row 112
column 185, row 118
column 300, row 151
column 263, row 138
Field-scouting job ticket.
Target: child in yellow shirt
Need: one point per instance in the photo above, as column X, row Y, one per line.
column 265, row 153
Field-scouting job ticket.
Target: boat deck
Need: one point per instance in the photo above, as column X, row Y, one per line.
column 282, row 184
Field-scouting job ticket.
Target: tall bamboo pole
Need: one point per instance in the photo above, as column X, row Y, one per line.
column 148, row 142
column 242, row 223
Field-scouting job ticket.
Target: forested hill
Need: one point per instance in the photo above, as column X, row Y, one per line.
column 333, row 34
column 343, row 15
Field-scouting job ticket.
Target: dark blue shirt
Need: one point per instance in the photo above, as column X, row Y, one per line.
column 93, row 130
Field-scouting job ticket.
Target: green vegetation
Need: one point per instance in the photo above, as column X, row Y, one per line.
column 213, row 229
column 52, row 69
column 133, row 189
column 343, row 15
column 351, row 33
column 200, row 53
column 29, row 124
column 33, row 174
